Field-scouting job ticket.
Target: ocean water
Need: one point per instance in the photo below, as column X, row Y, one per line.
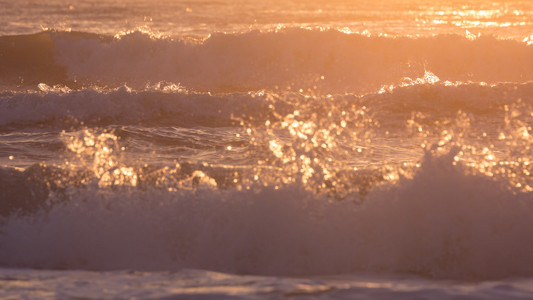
column 266, row 149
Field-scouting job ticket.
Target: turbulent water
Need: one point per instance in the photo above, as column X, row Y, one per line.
column 266, row 150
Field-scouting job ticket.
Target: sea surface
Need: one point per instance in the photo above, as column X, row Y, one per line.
column 221, row 149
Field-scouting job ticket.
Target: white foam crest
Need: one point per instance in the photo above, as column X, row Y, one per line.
column 441, row 223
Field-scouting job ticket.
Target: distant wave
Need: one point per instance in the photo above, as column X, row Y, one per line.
column 326, row 61
column 442, row 223
column 176, row 107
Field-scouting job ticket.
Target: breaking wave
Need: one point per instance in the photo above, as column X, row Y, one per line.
column 320, row 61
column 174, row 106
column 443, row 222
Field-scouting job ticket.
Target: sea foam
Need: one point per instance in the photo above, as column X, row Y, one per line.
column 441, row 223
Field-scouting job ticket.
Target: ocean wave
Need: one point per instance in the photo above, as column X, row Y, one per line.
column 443, row 222
column 174, row 106
column 122, row 105
column 322, row 61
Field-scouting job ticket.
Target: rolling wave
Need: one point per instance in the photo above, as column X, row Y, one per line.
column 321, row 61
column 173, row 106
column 442, row 223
